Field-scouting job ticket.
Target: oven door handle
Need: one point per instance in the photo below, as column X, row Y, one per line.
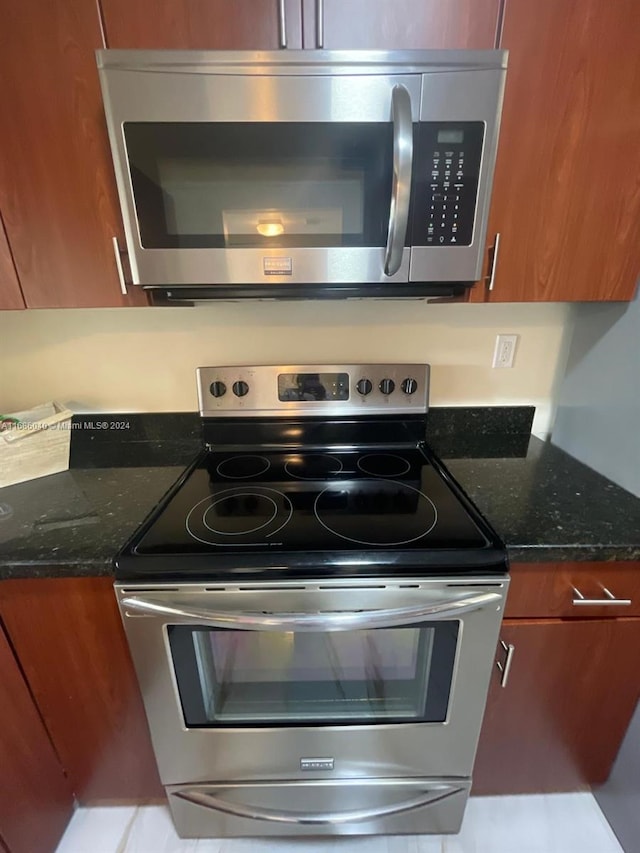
column 402, row 169
column 201, row 797
column 352, row 620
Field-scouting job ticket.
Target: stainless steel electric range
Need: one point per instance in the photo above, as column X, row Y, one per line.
column 313, row 611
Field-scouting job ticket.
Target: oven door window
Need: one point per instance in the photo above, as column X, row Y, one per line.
column 260, row 184
column 270, row 678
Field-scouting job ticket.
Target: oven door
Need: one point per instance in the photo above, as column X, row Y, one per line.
column 238, row 179
column 303, row 680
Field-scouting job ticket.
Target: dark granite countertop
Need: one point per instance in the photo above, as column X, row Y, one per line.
column 544, row 504
column 548, row 507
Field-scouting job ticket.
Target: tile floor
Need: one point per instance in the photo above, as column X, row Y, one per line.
column 559, row 823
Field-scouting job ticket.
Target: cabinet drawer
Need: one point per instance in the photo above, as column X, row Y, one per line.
column 574, row 590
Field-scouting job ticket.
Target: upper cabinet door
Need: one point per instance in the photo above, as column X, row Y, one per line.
column 10, row 293
column 566, row 198
column 57, row 190
column 202, row 24
column 400, row 24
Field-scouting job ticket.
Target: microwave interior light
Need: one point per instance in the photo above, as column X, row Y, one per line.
column 270, row 227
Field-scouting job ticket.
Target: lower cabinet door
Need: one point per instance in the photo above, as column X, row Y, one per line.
column 36, row 802
column 68, row 637
column 10, row 293
column 558, row 722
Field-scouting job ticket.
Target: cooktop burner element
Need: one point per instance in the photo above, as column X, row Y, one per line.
column 383, row 464
column 313, row 466
column 255, row 512
column 243, row 467
column 377, row 512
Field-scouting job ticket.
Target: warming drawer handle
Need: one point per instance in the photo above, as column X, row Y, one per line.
column 451, row 608
column 402, row 168
column 200, row 797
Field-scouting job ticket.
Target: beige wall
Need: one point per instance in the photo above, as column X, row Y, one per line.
column 144, row 359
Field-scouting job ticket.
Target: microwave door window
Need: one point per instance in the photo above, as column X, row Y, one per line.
column 260, row 185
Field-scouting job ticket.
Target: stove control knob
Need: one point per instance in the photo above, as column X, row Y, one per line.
column 409, row 385
column 218, row 389
column 387, row 386
column 364, row 387
column 240, row 389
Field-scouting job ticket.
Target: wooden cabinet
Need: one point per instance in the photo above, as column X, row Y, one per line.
column 202, row 24
column 572, row 688
column 10, row 293
column 57, row 189
column 256, row 24
column 541, row 590
column 401, row 25
column 68, row 637
column 565, row 197
column 36, row 801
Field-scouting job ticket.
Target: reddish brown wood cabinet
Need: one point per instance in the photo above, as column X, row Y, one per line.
column 565, row 199
column 573, row 685
column 553, row 590
column 57, row 189
column 401, row 25
column 36, row 801
column 202, row 24
column 68, row 637
column 10, row 293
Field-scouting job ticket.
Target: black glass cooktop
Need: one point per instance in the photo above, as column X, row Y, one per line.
column 311, row 503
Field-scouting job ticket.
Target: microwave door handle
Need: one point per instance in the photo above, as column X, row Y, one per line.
column 402, row 168
column 357, row 620
column 431, row 795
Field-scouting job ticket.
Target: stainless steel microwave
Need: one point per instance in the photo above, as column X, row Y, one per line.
column 304, row 173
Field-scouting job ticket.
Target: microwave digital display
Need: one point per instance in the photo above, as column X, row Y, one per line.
column 451, row 136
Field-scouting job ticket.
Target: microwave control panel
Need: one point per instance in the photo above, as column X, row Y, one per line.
column 445, row 187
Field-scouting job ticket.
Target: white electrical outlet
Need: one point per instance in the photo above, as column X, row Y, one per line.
column 505, row 350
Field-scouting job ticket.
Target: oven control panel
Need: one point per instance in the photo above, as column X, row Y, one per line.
column 320, row 390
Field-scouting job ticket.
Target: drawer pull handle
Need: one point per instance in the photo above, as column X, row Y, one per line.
column 119, row 268
column 610, row 599
column 282, row 23
column 506, row 666
column 491, row 278
column 320, row 24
